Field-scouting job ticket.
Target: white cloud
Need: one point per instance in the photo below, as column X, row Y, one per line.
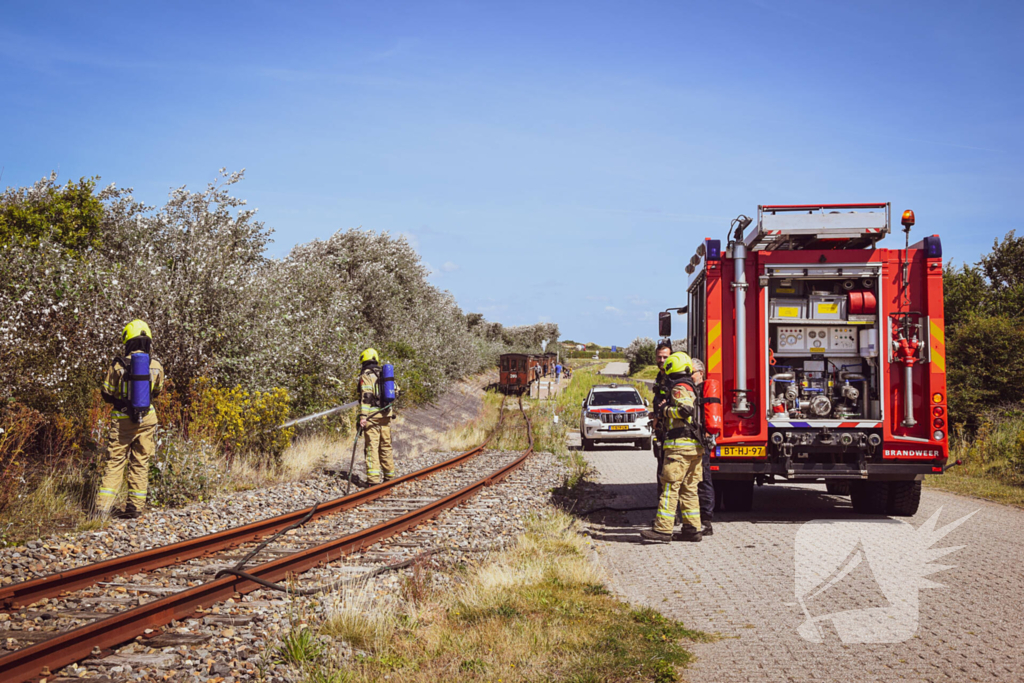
column 449, row 267
column 612, row 309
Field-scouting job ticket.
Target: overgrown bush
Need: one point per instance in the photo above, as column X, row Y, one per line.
column 265, row 335
column 240, row 421
column 984, row 312
column 182, row 471
column 640, row 352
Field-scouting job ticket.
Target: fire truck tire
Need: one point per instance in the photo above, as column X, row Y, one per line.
column 904, row 498
column 738, row 495
column 869, row 497
column 838, row 488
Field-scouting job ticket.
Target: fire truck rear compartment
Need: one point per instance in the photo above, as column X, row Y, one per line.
column 824, row 381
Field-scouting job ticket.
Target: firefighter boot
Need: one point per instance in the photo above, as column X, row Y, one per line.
column 690, row 533
column 707, row 529
column 652, row 535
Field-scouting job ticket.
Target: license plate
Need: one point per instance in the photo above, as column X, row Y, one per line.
column 618, row 428
column 742, row 452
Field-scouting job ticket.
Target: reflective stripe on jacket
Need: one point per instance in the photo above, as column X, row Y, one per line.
column 369, row 392
column 680, row 416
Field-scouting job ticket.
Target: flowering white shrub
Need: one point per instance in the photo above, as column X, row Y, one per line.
column 197, row 271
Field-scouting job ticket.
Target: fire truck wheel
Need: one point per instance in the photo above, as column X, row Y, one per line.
column 869, row 497
column 738, row 495
column 904, row 497
column 838, row 488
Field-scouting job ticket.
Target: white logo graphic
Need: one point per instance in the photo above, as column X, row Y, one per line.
column 898, row 559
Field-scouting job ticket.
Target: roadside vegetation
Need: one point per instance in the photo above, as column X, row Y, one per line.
column 645, row 372
column 984, row 313
column 247, row 340
column 538, row 611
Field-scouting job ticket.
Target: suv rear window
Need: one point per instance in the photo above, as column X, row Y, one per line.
column 615, row 398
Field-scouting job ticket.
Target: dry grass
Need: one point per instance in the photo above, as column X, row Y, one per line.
column 299, row 461
column 56, row 504
column 537, row 611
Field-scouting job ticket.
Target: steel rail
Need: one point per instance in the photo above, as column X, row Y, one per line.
column 79, row 643
column 28, row 592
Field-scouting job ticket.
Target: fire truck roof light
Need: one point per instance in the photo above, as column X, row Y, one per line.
column 714, row 250
column 932, row 247
column 908, row 218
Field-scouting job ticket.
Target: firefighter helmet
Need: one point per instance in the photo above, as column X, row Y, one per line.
column 135, row 328
column 678, row 362
column 369, row 355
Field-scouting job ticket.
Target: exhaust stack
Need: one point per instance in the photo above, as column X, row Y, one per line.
column 740, row 404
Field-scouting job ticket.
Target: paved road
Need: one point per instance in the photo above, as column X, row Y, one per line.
column 742, row 584
column 616, row 368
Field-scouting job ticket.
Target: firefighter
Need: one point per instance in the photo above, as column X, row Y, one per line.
column 681, row 470
column 131, row 443
column 705, row 489
column 375, row 421
column 663, row 351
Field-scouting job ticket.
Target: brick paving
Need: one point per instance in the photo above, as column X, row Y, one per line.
column 741, row 583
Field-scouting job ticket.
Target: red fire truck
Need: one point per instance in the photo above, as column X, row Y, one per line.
column 828, row 351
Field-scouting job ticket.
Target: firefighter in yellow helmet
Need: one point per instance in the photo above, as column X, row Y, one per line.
column 375, row 421
column 131, row 443
column 681, row 471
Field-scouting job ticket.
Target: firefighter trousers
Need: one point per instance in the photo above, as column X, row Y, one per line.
column 679, row 478
column 130, row 445
column 377, row 449
column 706, row 492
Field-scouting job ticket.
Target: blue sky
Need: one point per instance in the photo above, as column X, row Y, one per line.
column 547, row 159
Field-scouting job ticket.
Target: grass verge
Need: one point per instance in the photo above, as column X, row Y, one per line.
column 993, row 460
column 646, row 372
column 538, row 611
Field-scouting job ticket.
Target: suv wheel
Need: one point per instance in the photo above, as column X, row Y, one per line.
column 588, row 445
column 644, row 444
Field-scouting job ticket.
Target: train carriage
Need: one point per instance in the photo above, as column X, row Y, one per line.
column 516, row 370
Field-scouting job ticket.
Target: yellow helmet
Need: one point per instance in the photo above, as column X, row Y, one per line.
column 135, row 328
column 368, row 355
column 677, row 362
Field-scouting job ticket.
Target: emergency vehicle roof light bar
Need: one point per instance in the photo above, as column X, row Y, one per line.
column 820, row 207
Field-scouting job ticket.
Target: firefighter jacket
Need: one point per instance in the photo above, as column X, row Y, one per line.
column 681, row 432
column 369, row 392
column 116, row 386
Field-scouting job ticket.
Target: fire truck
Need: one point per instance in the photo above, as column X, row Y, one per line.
column 828, row 351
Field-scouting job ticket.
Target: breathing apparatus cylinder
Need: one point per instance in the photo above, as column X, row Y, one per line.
column 712, row 400
column 387, row 383
column 138, row 384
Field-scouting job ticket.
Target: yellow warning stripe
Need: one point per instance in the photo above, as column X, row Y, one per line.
column 715, row 347
column 938, row 346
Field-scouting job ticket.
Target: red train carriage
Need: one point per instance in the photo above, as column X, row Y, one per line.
column 516, row 372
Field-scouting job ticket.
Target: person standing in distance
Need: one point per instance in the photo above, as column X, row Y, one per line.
column 681, row 470
column 375, row 422
column 131, row 443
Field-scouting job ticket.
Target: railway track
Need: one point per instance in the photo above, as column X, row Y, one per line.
column 171, row 583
